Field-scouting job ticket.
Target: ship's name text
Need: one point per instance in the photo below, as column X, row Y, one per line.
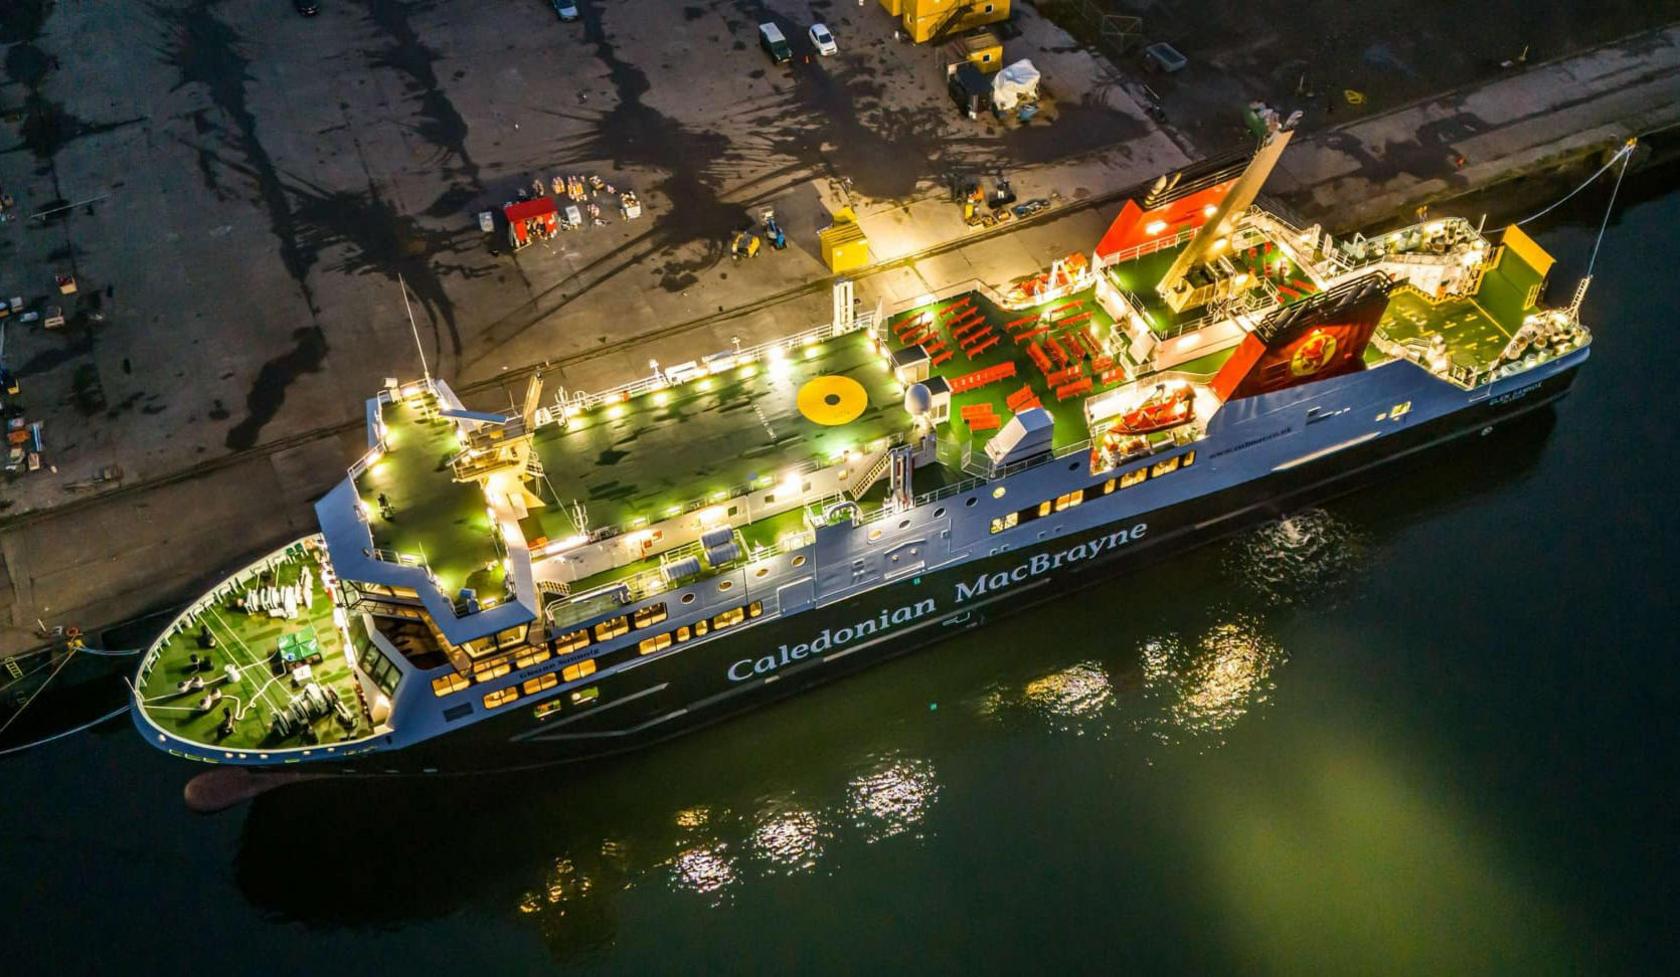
column 986, row 583
column 1045, row 562
column 746, row 668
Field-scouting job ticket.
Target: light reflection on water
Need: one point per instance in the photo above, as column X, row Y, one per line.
column 788, row 839
column 1305, row 557
column 1204, row 686
column 892, row 798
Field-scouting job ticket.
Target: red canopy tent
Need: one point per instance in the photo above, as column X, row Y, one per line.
column 530, row 220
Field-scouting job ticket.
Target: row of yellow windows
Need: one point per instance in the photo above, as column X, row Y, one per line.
column 701, row 628
column 485, row 671
column 531, row 686
column 613, row 627
column 1067, row 501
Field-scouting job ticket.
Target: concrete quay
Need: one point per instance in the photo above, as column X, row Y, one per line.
column 1547, row 117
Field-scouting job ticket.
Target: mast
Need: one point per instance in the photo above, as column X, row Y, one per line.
column 1175, row 288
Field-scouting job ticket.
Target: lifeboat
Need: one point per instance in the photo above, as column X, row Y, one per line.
column 1165, row 408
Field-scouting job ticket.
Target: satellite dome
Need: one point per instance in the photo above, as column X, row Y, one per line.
column 918, row 400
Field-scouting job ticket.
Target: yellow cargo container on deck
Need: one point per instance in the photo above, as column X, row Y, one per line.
column 844, row 247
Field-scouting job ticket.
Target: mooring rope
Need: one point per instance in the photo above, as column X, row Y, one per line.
column 1621, row 156
column 69, row 732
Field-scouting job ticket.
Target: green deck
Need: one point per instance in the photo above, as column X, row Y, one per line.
column 250, row 642
column 1474, row 336
column 660, row 451
column 1068, row 415
column 434, row 517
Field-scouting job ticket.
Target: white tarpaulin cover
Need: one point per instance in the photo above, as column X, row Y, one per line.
column 1013, row 84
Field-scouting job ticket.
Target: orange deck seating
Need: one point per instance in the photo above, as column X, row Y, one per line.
column 1101, row 363
column 1036, row 352
column 967, row 327
column 941, row 358
column 981, row 348
column 979, row 378
column 1073, row 389
column 1031, row 333
column 1015, row 324
column 1063, row 377
column 973, row 339
column 1056, row 351
column 1019, row 397
column 1112, row 376
column 1073, row 319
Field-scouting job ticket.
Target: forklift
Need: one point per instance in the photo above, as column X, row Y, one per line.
column 744, row 244
column 772, row 230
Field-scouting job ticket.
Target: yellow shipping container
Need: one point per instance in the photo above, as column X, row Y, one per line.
column 980, row 48
column 844, row 247
column 926, row 19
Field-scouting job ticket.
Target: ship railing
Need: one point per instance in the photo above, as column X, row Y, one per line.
column 569, row 402
column 941, row 294
column 1146, row 248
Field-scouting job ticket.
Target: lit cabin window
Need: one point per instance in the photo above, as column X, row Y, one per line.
column 1044, row 508
column 651, row 614
column 683, row 634
column 490, row 670
column 582, row 696
column 445, row 684
column 1069, row 500
column 578, row 670
column 611, row 628
column 573, row 641
column 658, row 642
column 700, row 628
column 755, row 609
column 547, row 709
column 532, row 686
column 532, row 657
column 500, row 697
column 1110, row 485
column 1006, row 522
column 1188, row 459
column 1163, row 467
column 729, row 618
column 1133, row 477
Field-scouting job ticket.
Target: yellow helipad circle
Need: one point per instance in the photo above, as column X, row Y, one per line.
column 832, row 401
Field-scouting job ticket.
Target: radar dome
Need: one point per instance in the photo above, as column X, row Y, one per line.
column 918, row 400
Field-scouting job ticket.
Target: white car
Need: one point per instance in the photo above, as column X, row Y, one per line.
column 822, row 40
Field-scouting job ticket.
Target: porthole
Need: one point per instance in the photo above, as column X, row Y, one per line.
column 904, row 524
column 939, row 513
column 799, row 561
column 970, row 502
column 999, row 492
column 688, row 598
column 874, row 534
column 725, row 584
column 1073, row 466
column 761, row 572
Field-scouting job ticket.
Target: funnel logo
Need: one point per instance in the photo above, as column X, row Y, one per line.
column 1313, row 354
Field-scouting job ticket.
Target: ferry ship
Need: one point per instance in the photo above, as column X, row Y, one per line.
column 604, row 569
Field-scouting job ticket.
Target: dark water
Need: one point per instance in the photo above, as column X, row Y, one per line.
column 1427, row 729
